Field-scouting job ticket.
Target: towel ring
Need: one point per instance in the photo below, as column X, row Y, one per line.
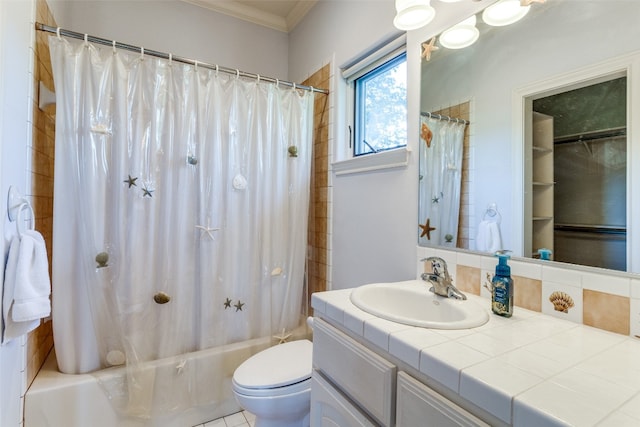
column 492, row 214
column 24, row 206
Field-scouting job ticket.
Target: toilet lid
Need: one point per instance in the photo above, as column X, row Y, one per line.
column 277, row 366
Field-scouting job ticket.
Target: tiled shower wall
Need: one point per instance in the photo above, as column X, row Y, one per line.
column 40, row 341
column 317, row 253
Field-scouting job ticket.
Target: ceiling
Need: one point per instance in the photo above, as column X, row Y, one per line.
column 281, row 15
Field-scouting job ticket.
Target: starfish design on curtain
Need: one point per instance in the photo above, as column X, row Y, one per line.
column 146, row 192
column 283, row 337
column 131, row 181
column 427, row 229
column 238, row 305
column 207, row 229
column 227, row 303
column 428, row 47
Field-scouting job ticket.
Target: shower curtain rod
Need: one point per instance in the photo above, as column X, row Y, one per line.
column 171, row 57
column 447, row 118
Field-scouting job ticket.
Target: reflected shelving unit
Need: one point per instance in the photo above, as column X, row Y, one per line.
column 542, row 183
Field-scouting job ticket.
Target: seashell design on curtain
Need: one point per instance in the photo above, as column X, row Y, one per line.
column 180, row 219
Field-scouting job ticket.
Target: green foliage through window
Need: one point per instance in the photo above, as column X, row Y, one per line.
column 381, row 108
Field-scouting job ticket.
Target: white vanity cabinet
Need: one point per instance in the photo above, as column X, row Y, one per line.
column 353, row 386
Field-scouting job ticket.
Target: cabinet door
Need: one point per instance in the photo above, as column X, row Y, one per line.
column 366, row 378
column 418, row 405
column 329, row 408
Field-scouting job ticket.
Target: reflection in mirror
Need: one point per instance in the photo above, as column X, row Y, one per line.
column 527, row 66
column 578, row 175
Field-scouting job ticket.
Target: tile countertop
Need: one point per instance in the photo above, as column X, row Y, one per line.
column 527, row 370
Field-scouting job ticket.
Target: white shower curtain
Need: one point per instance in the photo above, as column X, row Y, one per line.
column 180, row 210
column 441, row 149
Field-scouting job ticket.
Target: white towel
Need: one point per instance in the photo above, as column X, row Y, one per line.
column 27, row 285
column 488, row 238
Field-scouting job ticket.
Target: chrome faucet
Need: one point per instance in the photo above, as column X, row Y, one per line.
column 440, row 279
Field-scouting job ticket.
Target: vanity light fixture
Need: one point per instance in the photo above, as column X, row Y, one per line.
column 460, row 35
column 504, row 12
column 413, row 14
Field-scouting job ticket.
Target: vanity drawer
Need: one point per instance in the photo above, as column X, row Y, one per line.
column 419, row 405
column 362, row 375
column 329, row 408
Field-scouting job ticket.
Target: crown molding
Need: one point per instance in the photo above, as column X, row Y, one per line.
column 257, row 16
column 298, row 12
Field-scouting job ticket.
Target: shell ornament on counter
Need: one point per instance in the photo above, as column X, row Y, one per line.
column 561, row 301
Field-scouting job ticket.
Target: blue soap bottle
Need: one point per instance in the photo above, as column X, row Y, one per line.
column 502, row 288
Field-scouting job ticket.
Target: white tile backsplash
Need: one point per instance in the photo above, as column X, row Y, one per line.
column 635, row 288
column 634, row 317
column 469, row 259
column 551, row 273
column 526, row 269
column 616, row 285
column 574, row 314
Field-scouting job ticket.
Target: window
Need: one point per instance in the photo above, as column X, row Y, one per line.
column 380, row 104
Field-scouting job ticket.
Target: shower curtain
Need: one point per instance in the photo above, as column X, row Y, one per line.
column 180, row 217
column 441, row 148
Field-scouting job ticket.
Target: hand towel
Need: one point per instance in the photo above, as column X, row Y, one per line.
column 12, row 329
column 488, row 238
column 26, row 285
column 33, row 286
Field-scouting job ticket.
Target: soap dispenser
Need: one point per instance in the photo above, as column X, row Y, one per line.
column 502, row 287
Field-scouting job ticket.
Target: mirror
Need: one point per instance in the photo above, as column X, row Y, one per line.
column 558, row 47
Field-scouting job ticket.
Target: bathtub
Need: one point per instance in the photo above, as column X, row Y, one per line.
column 56, row 399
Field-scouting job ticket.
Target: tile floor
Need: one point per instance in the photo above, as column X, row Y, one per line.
column 240, row 419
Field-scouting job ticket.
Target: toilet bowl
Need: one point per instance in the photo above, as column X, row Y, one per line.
column 275, row 385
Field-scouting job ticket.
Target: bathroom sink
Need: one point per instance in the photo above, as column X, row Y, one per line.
column 411, row 303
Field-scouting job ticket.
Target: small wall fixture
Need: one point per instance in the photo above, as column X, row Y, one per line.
column 460, row 35
column 504, row 12
column 413, row 14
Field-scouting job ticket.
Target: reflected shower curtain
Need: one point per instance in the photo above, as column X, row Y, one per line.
column 441, row 148
column 180, row 212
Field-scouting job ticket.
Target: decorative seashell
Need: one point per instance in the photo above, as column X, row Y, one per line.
column 115, row 358
column 276, row 271
column 161, row 298
column 561, row 301
column 239, row 182
column 102, row 259
column 193, row 160
column 426, row 134
column 293, row 151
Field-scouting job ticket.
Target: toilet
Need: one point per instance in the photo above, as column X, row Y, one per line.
column 275, row 385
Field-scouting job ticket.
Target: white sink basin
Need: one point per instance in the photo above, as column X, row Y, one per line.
column 411, row 303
